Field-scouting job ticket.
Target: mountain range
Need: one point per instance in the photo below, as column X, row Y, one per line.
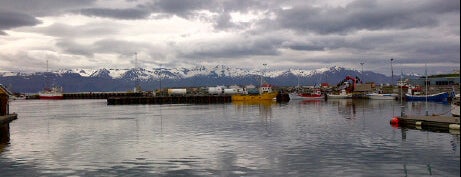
column 101, row 80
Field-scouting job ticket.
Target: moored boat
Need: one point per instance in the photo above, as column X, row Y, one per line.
column 342, row 95
column 382, row 96
column 316, row 95
column 53, row 93
column 438, row 97
column 265, row 93
column 455, row 106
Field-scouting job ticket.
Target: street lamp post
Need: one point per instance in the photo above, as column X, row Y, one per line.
column 392, row 72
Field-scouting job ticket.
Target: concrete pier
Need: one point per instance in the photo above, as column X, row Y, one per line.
column 432, row 122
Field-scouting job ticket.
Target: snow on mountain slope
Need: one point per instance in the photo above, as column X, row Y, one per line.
column 182, row 72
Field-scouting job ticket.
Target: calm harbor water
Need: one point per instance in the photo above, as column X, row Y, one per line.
column 320, row 138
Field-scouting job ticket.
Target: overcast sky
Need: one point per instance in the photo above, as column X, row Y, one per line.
column 298, row 34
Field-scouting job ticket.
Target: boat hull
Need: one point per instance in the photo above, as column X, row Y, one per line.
column 296, row 96
column 51, row 96
column 440, row 97
column 455, row 111
column 339, row 96
column 382, row 96
column 256, row 97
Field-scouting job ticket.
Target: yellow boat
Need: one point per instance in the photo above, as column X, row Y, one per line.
column 265, row 93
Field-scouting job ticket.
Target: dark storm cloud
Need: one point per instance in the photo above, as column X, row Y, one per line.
column 10, row 20
column 133, row 13
column 363, row 14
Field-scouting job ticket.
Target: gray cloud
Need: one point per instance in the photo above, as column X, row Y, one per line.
column 10, row 20
column 298, row 32
column 181, row 8
column 363, row 14
column 87, row 30
column 235, row 48
column 72, row 47
column 44, row 7
column 133, row 13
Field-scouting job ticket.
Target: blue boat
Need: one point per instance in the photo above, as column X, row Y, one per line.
column 438, row 97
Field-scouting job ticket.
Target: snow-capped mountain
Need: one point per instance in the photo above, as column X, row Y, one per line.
column 76, row 80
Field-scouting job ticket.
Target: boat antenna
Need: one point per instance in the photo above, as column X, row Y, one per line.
column 401, row 85
column 402, row 108
column 425, row 71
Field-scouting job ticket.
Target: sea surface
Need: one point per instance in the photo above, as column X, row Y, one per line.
column 298, row 138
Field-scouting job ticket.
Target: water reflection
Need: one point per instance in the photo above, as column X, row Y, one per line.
column 4, row 136
column 237, row 139
column 345, row 107
column 264, row 107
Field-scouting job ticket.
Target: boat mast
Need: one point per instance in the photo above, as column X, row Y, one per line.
column 47, row 82
column 401, row 89
column 425, row 71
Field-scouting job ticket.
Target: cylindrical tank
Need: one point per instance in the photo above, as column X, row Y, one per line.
column 230, row 91
column 177, row 91
column 215, row 90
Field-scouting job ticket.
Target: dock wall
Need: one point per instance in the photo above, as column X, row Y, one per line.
column 100, row 95
column 5, row 127
column 169, row 100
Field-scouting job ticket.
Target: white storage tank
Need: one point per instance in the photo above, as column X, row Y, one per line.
column 231, row 91
column 181, row 91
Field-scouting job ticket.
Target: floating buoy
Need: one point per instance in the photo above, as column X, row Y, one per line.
column 453, row 126
column 394, row 121
column 418, row 125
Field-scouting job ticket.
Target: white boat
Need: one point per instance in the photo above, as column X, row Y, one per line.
column 54, row 93
column 341, row 95
column 455, row 106
column 382, row 96
column 50, row 93
column 316, row 95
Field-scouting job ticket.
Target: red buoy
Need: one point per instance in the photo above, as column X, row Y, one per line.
column 394, row 121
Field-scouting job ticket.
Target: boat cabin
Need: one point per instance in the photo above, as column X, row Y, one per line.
column 265, row 88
